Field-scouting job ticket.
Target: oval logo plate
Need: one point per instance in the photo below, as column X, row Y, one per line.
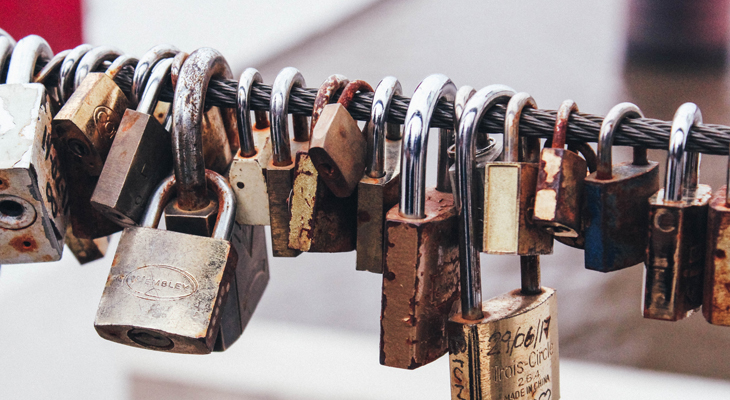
column 161, row 282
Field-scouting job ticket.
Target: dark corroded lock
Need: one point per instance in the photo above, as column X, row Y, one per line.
column 421, row 272
column 338, row 147
column 280, row 171
column 716, row 299
column 560, row 182
column 377, row 191
column 139, row 158
column 320, row 221
column 675, row 257
column 248, row 169
column 170, row 300
column 33, row 192
column 616, row 201
column 509, row 194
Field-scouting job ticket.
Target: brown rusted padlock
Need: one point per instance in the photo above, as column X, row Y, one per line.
column 320, row 221
column 421, row 272
column 716, row 302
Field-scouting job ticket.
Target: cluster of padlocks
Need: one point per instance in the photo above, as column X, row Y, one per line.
column 77, row 164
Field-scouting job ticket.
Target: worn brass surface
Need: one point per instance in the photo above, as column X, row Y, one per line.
column 86, row 250
column 716, row 302
column 510, row 354
column 248, row 179
column 559, row 195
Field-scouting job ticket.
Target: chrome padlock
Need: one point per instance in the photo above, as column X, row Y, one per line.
column 248, row 168
column 716, row 299
column 509, row 194
column 421, row 271
column 675, row 257
column 377, row 191
column 616, row 201
column 33, row 191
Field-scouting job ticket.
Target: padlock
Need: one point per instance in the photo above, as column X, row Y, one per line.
column 320, row 221
column 675, row 257
column 33, row 191
column 47, row 75
column 616, row 201
column 68, row 71
column 248, row 169
column 509, row 194
column 560, row 182
column 143, row 70
column 86, row 250
column 139, row 158
column 280, row 171
column 170, row 300
column 338, row 147
column 716, row 299
column 377, row 191
column 421, row 271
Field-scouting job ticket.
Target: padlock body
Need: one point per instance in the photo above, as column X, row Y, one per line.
column 165, row 291
column 510, row 354
column 558, row 200
column 139, row 158
column 375, row 197
column 87, row 222
column 338, row 149
column 675, row 257
column 716, row 302
column 33, row 191
column 89, row 120
column 509, row 196
column 217, row 149
column 86, row 250
column 248, row 180
column 420, row 283
column 617, row 213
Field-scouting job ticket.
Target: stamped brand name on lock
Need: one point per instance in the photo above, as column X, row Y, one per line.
column 159, row 282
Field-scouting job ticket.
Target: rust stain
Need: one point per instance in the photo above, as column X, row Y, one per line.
column 4, row 181
column 24, row 243
column 719, row 253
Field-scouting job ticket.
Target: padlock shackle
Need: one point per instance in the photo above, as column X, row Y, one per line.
column 530, row 275
column 561, row 123
column 288, row 78
column 153, row 88
column 7, row 36
column 466, row 144
column 325, row 95
column 379, row 127
column 177, row 63
column 68, row 70
column 201, row 66
column 605, row 136
column 144, row 68
column 6, row 49
column 511, row 146
column 166, row 190
column 683, row 168
column 119, row 63
column 243, row 112
column 463, row 94
column 348, row 93
column 26, row 54
column 53, row 66
column 91, row 61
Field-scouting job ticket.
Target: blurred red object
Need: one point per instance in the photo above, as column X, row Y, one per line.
column 57, row 21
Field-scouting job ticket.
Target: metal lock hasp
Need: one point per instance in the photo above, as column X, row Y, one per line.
column 165, row 290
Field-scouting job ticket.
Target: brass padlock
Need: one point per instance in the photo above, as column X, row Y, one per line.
column 139, row 158
column 248, row 168
column 377, row 191
column 338, row 147
column 716, row 299
column 320, row 221
column 560, row 181
column 616, row 201
column 33, row 191
column 509, row 194
column 280, row 171
column 170, row 300
column 675, row 257
column 421, row 272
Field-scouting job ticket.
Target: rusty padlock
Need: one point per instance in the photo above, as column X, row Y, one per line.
column 170, row 300
column 33, row 191
column 716, row 299
column 421, row 272
column 139, row 158
column 320, row 221
column 248, row 168
column 378, row 190
column 675, row 256
column 280, row 171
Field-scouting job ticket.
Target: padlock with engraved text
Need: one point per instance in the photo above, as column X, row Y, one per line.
column 421, row 271
column 281, row 168
column 170, row 300
column 675, row 256
column 33, row 191
column 248, row 168
column 716, row 298
column 509, row 194
column 377, row 191
column 139, row 158
column 616, row 201
column 338, row 147
column 320, row 221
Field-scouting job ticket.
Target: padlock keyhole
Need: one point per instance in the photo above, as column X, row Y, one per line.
column 11, row 208
column 78, row 147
